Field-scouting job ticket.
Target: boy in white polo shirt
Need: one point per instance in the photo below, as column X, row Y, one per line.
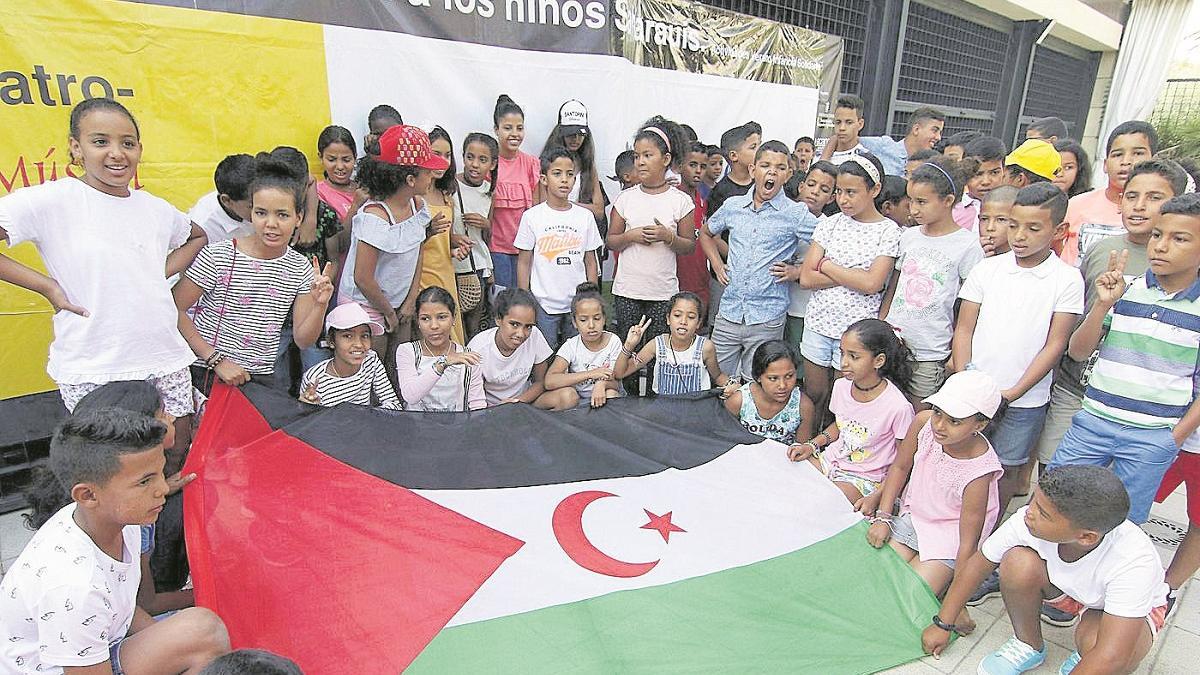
column 1072, row 547
column 1014, row 323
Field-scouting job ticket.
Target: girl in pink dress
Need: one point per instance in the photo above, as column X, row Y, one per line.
column 952, row 474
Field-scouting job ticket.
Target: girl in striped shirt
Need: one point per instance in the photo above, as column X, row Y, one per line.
column 243, row 289
column 355, row 374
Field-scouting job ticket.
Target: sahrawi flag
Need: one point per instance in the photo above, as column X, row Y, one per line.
column 649, row 536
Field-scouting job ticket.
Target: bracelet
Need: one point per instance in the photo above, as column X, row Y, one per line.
column 948, row 627
column 821, row 262
column 881, row 517
column 214, row 358
column 824, row 435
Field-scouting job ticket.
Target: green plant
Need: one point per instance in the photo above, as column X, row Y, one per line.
column 1179, row 137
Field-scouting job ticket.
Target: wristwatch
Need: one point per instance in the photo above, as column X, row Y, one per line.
column 439, row 366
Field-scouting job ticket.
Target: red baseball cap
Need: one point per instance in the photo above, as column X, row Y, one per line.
column 405, row 145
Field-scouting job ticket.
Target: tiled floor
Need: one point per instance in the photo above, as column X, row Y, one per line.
column 1176, row 647
column 1175, row 651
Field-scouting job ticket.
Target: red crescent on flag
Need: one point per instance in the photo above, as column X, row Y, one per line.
column 568, row 529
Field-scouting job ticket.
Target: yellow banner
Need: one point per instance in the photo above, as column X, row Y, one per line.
column 202, row 85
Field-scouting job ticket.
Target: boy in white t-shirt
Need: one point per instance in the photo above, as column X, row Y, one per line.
column 556, row 240
column 224, row 213
column 69, row 600
column 848, row 123
column 1016, row 316
column 1072, row 547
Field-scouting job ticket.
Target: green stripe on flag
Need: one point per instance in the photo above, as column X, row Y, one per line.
column 837, row 606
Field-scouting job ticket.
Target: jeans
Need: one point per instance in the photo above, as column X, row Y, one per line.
column 552, row 325
column 504, row 269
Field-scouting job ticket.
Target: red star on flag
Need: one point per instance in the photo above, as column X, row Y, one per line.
column 663, row 524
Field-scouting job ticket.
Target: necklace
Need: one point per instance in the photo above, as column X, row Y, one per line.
column 333, row 367
column 870, row 388
column 426, row 347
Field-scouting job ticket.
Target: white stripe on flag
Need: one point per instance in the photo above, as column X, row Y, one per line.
column 750, row 504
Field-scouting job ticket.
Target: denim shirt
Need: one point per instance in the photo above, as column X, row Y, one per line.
column 890, row 152
column 757, row 240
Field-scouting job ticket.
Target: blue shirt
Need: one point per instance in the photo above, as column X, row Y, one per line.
column 890, row 152
column 759, row 238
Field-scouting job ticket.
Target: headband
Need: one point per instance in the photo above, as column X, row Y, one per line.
column 1191, row 184
column 866, row 166
column 661, row 134
column 953, row 188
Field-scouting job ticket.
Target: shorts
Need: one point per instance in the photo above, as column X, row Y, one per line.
column 1184, row 470
column 793, row 330
column 114, row 657
column 1063, row 406
column 904, row 532
column 927, row 378
column 174, row 388
column 1013, row 435
column 1065, row 603
column 865, row 486
column 1140, row 457
column 821, row 350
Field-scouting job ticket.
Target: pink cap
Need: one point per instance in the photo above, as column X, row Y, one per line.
column 967, row 393
column 349, row 315
column 405, row 145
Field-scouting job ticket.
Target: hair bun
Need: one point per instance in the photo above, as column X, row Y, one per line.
column 267, row 166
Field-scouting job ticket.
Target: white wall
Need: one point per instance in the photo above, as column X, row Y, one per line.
column 455, row 84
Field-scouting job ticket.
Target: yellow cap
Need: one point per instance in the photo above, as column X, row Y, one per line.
column 1036, row 156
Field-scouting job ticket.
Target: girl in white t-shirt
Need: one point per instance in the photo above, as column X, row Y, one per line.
column 105, row 247
column 514, row 355
column 847, row 268
column 435, row 373
column 243, row 289
column 583, row 368
column 651, row 225
column 474, row 202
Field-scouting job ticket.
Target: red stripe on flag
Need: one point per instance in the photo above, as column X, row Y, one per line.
column 361, row 582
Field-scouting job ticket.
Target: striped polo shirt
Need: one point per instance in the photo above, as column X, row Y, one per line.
column 1146, row 375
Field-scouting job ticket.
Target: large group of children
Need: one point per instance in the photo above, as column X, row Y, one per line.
column 926, row 321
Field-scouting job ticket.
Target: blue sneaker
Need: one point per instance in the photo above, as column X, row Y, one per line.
column 1069, row 664
column 1012, row 658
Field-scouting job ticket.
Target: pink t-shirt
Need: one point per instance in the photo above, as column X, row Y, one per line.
column 339, row 201
column 867, row 432
column 1092, row 211
column 966, row 213
column 516, row 188
column 934, row 495
column 649, row 272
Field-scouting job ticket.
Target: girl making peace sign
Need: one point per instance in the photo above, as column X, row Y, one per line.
column 243, row 289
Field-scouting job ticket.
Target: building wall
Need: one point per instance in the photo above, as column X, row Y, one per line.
column 966, row 57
